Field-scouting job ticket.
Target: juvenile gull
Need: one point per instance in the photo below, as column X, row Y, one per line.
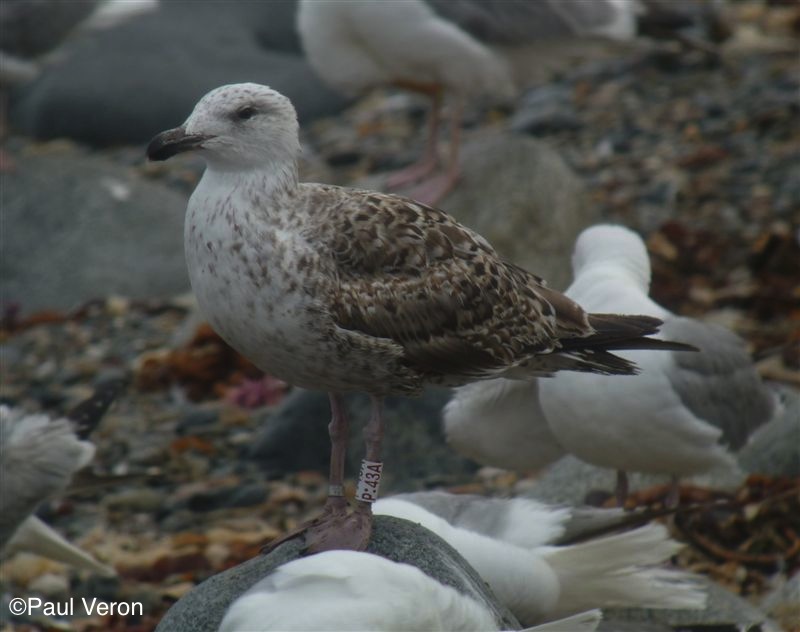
column 442, row 48
column 681, row 415
column 347, row 290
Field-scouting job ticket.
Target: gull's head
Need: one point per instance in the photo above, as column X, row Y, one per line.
column 612, row 248
column 236, row 127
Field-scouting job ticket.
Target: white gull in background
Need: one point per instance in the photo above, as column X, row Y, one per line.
column 38, row 456
column 445, row 48
column 500, row 423
column 538, row 581
column 681, row 416
column 349, row 590
column 349, row 290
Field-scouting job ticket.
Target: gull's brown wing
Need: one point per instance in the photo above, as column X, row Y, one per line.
column 412, row 274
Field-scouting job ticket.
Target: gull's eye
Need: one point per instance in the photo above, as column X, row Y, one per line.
column 246, row 112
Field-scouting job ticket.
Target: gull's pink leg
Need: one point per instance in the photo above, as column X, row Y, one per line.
column 353, row 531
column 6, row 161
column 371, row 469
column 337, row 430
column 335, row 509
column 335, row 528
column 432, row 190
column 430, row 159
column 622, row 488
column 673, row 497
column 373, row 432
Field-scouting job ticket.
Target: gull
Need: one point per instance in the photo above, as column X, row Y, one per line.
column 500, row 423
column 442, row 48
column 38, row 456
column 351, row 590
column 538, row 581
column 348, row 290
column 681, row 415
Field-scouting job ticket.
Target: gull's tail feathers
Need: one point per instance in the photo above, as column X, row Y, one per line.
column 87, row 414
column 623, row 570
column 582, row 622
column 34, row 536
column 524, row 522
column 520, row 578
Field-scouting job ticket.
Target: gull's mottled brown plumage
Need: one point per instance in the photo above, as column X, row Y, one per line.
column 411, row 274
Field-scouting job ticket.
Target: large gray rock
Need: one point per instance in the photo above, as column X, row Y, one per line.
column 295, row 437
column 33, row 27
column 126, row 83
column 202, row 609
column 518, row 193
column 77, row 227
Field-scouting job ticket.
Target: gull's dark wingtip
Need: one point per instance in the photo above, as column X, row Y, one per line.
column 88, row 413
column 618, row 332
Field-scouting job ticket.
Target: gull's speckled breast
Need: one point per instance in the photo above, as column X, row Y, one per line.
column 260, row 282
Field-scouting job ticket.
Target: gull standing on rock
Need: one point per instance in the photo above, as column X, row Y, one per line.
column 348, row 290
column 442, row 48
column 681, row 415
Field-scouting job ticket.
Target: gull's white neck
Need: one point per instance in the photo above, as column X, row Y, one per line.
column 614, row 285
column 269, row 181
column 622, row 270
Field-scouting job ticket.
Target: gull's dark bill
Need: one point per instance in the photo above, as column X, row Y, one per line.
column 172, row 142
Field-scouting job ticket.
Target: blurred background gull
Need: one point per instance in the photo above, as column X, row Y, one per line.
column 469, row 50
column 38, row 458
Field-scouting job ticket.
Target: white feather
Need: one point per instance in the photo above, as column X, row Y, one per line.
column 523, row 581
column 38, row 456
column 541, row 582
column 623, row 570
column 500, row 423
column 582, row 622
column 34, row 536
column 348, row 590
